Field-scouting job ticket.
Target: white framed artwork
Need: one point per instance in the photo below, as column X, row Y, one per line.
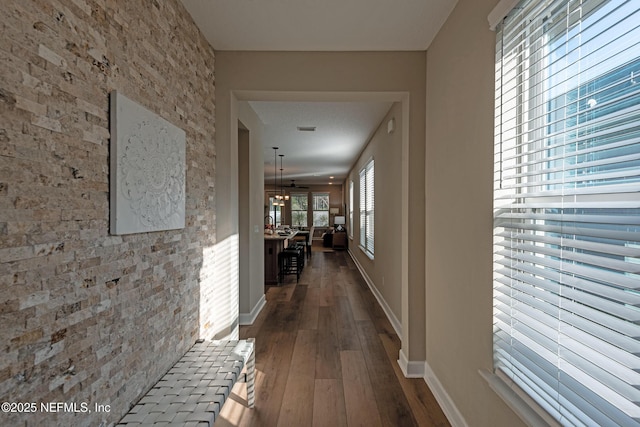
column 147, row 170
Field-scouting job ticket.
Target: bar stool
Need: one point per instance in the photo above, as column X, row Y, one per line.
column 289, row 263
column 299, row 250
column 302, row 247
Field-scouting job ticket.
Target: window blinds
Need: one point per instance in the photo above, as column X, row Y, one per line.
column 370, row 206
column 363, row 208
column 367, row 201
column 351, row 208
column 567, row 208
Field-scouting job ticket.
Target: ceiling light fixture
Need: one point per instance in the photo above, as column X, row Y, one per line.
column 307, row 128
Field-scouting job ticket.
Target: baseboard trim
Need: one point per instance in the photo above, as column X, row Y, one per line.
column 248, row 318
column 415, row 369
column 395, row 323
column 444, row 400
column 411, row 369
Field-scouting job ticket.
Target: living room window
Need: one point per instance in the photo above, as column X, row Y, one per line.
column 299, row 205
column 367, row 208
column 274, row 212
column 320, row 209
column 567, row 209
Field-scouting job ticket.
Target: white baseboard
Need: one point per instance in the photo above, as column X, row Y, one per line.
column 395, row 323
column 249, row 318
column 448, row 406
column 411, row 369
column 416, row 369
column 421, row 369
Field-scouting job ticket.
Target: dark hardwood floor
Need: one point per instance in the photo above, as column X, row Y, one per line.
column 326, row 356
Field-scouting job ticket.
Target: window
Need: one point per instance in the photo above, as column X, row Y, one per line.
column 299, row 204
column 351, row 208
column 274, row 212
column 367, row 208
column 567, row 209
column 321, row 209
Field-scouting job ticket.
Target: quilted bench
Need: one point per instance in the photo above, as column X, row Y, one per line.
column 193, row 391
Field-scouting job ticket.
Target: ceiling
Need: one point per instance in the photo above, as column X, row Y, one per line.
column 313, row 157
column 312, row 25
column 342, row 128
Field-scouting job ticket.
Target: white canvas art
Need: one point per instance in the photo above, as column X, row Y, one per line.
column 147, row 182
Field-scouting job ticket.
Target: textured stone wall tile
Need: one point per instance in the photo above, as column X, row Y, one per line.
column 90, row 317
column 32, row 106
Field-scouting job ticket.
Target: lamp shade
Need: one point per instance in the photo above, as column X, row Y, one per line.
column 339, row 220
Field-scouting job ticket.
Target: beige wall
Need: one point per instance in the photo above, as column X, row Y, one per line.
column 313, row 76
column 459, row 165
column 251, row 221
column 73, row 294
column 384, row 270
column 86, row 316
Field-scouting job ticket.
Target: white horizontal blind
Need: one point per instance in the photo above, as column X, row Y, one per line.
column 370, row 206
column 363, row 208
column 567, row 208
column 367, row 202
column 350, row 208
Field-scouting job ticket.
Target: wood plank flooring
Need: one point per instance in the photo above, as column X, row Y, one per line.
column 326, row 356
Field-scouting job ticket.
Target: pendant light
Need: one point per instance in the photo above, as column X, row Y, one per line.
column 285, row 196
column 275, row 180
column 281, row 189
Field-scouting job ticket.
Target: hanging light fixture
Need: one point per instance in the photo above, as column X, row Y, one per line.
column 285, row 196
column 281, row 189
column 275, row 180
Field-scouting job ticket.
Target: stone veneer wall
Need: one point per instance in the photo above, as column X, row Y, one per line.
column 86, row 317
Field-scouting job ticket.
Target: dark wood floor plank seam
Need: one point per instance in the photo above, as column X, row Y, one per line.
column 326, row 355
